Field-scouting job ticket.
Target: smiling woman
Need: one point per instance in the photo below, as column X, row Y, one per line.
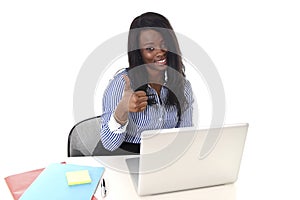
column 153, row 49
column 152, row 93
column 153, row 53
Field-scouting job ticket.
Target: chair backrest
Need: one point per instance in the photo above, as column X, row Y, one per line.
column 85, row 140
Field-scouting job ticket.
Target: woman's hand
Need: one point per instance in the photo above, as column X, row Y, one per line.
column 131, row 102
column 136, row 101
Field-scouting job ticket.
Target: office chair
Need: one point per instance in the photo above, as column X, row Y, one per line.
column 85, row 140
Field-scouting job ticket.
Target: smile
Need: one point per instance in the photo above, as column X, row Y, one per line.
column 161, row 62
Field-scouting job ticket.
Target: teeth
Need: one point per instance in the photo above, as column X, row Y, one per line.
column 161, row 61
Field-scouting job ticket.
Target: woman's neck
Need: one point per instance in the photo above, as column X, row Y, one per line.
column 156, row 87
column 156, row 82
column 156, row 77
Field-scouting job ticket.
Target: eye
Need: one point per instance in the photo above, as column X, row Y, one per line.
column 149, row 48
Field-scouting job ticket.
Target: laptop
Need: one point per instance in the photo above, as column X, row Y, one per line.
column 187, row 158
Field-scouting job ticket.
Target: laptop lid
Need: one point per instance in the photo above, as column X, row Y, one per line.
column 170, row 159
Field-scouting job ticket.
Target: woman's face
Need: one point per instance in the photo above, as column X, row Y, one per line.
column 153, row 50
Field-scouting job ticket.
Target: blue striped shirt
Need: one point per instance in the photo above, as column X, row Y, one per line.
column 156, row 116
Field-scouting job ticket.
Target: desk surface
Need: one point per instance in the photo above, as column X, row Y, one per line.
column 119, row 184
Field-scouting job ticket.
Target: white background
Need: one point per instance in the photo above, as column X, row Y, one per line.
column 255, row 46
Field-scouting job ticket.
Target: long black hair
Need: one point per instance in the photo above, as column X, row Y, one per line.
column 175, row 70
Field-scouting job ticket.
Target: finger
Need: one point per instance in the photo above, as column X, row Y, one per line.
column 138, row 96
column 142, row 99
column 143, row 108
column 127, row 82
column 140, row 93
column 143, row 105
column 136, row 107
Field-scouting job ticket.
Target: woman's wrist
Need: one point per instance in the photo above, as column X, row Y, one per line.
column 119, row 120
column 121, row 112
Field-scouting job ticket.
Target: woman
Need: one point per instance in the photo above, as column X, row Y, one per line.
column 152, row 93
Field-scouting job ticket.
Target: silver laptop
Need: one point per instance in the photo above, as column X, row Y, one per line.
column 187, row 158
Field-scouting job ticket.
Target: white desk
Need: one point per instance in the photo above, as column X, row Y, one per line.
column 119, row 184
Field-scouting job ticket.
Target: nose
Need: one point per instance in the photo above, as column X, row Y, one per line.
column 161, row 52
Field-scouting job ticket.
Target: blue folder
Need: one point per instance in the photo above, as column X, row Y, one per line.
column 52, row 184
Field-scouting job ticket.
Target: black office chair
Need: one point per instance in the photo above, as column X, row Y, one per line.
column 84, row 140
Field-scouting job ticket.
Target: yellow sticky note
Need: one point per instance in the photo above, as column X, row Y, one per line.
column 78, row 177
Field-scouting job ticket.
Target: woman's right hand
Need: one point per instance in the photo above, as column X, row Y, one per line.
column 131, row 102
column 135, row 101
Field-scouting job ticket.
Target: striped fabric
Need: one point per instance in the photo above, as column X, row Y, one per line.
column 157, row 116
